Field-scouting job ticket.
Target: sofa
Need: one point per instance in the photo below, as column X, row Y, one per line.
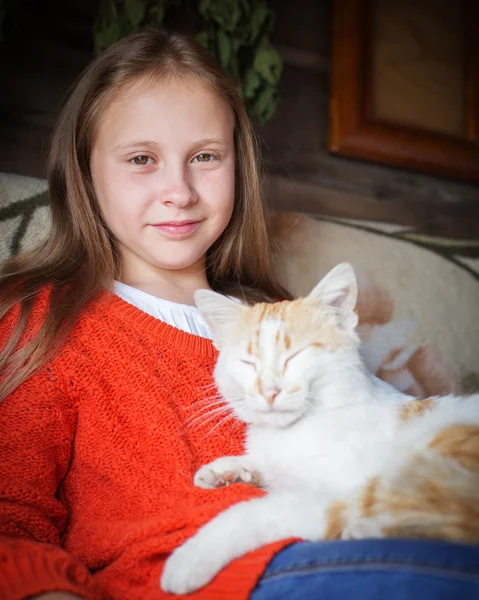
column 418, row 303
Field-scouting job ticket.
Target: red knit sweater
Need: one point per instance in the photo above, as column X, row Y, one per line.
column 97, row 456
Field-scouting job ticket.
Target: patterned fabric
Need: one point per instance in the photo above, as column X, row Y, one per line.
column 24, row 213
column 418, row 302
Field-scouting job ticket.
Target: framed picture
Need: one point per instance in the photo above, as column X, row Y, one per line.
column 405, row 84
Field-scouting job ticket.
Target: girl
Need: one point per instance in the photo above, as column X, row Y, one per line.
column 154, row 194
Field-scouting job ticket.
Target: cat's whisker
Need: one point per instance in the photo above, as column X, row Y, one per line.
column 211, row 401
column 212, row 408
column 215, row 395
column 212, row 412
column 205, row 418
column 224, row 420
column 205, row 406
column 210, row 393
column 208, row 414
column 209, row 387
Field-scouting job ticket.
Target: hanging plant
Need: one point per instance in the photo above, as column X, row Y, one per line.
column 117, row 18
column 235, row 31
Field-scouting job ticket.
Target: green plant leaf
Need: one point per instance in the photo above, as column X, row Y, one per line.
column 245, row 6
column 251, row 83
column 156, row 14
column 204, row 39
column 224, row 48
column 264, row 104
column 236, row 43
column 112, row 9
column 235, row 31
column 135, row 11
column 242, row 33
column 225, row 13
column 268, row 64
column 233, row 69
column 269, row 110
column 260, row 16
column 107, row 35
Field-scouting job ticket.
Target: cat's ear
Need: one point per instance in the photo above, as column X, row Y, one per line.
column 338, row 291
column 219, row 312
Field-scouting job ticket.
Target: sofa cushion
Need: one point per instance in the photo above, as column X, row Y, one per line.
column 418, row 300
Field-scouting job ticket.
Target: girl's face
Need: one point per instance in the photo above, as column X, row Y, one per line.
column 163, row 168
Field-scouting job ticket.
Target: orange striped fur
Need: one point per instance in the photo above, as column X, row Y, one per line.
column 435, row 495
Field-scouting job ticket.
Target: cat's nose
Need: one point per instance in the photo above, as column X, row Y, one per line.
column 271, row 394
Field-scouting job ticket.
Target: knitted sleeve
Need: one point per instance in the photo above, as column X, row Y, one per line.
column 36, row 431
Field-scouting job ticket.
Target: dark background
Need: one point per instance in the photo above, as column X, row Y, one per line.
column 53, row 43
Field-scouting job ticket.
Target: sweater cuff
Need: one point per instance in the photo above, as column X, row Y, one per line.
column 239, row 579
column 29, row 568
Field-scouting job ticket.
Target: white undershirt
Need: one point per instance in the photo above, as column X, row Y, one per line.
column 184, row 317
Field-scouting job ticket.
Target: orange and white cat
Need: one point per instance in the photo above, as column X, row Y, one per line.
column 342, row 454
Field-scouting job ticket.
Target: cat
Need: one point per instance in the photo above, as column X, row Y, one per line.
column 340, row 453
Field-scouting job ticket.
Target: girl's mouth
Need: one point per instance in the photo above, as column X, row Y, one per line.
column 177, row 227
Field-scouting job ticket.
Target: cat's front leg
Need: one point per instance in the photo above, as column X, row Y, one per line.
column 241, row 529
column 226, row 470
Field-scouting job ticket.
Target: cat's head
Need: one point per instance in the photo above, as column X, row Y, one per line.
column 273, row 357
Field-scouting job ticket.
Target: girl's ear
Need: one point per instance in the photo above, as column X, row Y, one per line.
column 338, row 292
column 219, row 312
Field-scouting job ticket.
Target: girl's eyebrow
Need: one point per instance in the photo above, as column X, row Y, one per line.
column 206, row 141
column 152, row 144
column 133, row 143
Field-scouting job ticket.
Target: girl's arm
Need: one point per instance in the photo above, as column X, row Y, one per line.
column 37, row 425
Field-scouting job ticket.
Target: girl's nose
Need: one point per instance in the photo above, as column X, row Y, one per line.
column 177, row 190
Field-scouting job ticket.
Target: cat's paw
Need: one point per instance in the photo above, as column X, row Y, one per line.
column 187, row 570
column 225, row 471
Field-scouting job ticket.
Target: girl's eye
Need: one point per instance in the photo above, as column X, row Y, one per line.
column 250, row 363
column 204, row 157
column 140, row 161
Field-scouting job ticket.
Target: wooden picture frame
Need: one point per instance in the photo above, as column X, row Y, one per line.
column 355, row 131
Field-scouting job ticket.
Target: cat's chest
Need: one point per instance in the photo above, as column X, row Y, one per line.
column 315, row 455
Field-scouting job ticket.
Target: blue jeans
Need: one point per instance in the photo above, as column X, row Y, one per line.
column 387, row 569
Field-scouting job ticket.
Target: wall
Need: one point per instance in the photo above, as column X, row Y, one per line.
column 54, row 44
column 303, row 176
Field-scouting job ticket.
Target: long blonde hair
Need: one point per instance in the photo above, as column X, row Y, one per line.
column 79, row 259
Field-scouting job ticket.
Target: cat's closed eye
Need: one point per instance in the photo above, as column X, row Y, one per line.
column 250, row 363
column 294, row 355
